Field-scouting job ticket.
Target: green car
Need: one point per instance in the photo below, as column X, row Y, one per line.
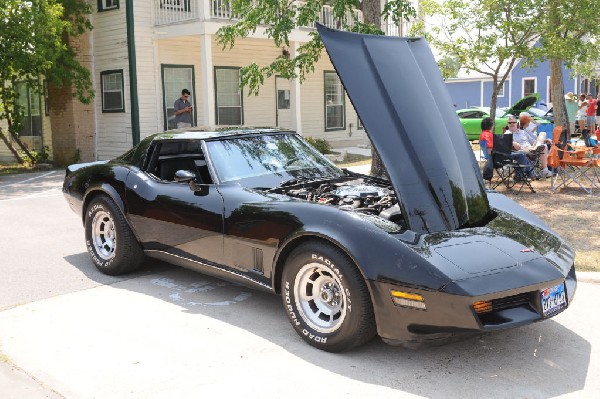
column 470, row 118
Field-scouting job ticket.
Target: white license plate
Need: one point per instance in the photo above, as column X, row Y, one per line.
column 554, row 299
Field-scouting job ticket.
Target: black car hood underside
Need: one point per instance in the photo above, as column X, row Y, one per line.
column 398, row 92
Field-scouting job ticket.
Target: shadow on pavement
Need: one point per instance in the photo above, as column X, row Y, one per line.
column 531, row 361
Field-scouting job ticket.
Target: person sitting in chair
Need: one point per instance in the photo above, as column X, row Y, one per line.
column 528, row 141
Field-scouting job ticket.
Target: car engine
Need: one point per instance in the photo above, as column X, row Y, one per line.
column 354, row 196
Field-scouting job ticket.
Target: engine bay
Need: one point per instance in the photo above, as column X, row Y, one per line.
column 366, row 195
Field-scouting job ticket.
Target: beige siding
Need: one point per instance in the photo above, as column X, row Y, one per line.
column 148, row 71
column 313, row 108
column 109, row 41
column 183, row 50
column 258, row 110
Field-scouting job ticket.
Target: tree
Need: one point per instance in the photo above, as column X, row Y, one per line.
column 282, row 16
column 484, row 36
column 571, row 37
column 33, row 47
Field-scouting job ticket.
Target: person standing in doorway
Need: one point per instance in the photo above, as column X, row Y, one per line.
column 581, row 111
column 183, row 110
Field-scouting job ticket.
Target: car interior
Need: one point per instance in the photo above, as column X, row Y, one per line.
column 170, row 156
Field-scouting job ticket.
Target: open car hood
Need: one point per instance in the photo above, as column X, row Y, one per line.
column 398, row 92
column 523, row 105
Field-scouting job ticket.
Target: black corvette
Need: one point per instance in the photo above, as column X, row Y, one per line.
column 425, row 256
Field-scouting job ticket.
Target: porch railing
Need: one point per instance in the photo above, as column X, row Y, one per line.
column 177, row 11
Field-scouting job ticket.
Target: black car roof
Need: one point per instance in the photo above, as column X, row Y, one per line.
column 214, row 132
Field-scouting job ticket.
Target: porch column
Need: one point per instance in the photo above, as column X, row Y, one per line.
column 207, row 86
column 204, row 9
column 295, row 97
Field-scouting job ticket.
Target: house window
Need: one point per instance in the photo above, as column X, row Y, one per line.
column 585, row 86
column 334, row 102
column 174, row 79
column 501, row 90
column 28, row 100
column 112, row 91
column 283, row 99
column 229, row 105
column 104, row 5
column 359, row 124
column 529, row 86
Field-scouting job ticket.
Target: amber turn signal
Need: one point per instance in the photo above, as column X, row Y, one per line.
column 482, row 306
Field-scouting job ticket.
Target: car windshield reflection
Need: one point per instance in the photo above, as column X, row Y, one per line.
column 267, row 160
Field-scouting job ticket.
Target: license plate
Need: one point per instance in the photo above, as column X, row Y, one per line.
column 554, row 299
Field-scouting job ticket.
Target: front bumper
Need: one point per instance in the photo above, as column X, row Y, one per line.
column 448, row 316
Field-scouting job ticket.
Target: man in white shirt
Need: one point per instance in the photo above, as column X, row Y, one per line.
column 528, row 141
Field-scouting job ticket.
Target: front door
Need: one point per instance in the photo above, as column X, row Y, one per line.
column 283, row 110
column 171, row 217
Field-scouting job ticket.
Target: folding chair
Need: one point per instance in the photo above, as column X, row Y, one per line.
column 512, row 169
column 576, row 165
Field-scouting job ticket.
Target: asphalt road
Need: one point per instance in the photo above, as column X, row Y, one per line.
column 67, row 331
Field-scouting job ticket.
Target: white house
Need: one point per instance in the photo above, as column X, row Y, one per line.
column 142, row 53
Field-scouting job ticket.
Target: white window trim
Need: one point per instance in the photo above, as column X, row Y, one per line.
column 342, row 104
column 104, row 6
column 103, row 75
column 535, row 85
column 548, row 99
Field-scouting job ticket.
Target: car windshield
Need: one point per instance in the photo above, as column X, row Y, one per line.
column 268, row 160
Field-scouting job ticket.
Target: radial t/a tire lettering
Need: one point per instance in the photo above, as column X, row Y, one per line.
column 326, row 298
column 108, row 238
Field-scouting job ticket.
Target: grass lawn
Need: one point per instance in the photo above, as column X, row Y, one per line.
column 14, row 168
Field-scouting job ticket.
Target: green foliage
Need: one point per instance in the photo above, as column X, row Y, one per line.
column 36, row 157
column 321, row 145
column 33, row 45
column 484, row 36
column 280, row 17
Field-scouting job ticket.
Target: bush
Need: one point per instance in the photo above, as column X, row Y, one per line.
column 321, row 145
column 41, row 156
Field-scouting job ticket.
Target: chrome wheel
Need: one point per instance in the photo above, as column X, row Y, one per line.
column 320, row 297
column 103, row 235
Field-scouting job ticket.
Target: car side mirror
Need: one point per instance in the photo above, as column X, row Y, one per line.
column 200, row 190
column 184, row 176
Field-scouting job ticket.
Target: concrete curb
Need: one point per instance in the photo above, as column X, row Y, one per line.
column 588, row 277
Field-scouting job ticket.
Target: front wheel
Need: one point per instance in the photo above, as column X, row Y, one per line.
column 109, row 240
column 326, row 298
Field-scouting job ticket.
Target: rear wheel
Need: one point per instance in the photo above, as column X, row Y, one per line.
column 326, row 298
column 109, row 240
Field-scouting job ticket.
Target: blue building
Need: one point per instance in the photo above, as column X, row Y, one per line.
column 469, row 89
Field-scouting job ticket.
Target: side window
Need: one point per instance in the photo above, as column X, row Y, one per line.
column 113, row 99
column 28, row 99
column 228, row 96
column 470, row 114
column 335, row 111
column 529, row 86
column 105, row 5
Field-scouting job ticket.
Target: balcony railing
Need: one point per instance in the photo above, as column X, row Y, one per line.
column 177, row 11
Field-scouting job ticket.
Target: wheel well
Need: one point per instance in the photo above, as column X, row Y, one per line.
column 295, row 243
column 94, row 194
column 88, row 198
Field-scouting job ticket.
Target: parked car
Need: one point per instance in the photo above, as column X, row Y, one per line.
column 539, row 113
column 470, row 118
column 425, row 256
